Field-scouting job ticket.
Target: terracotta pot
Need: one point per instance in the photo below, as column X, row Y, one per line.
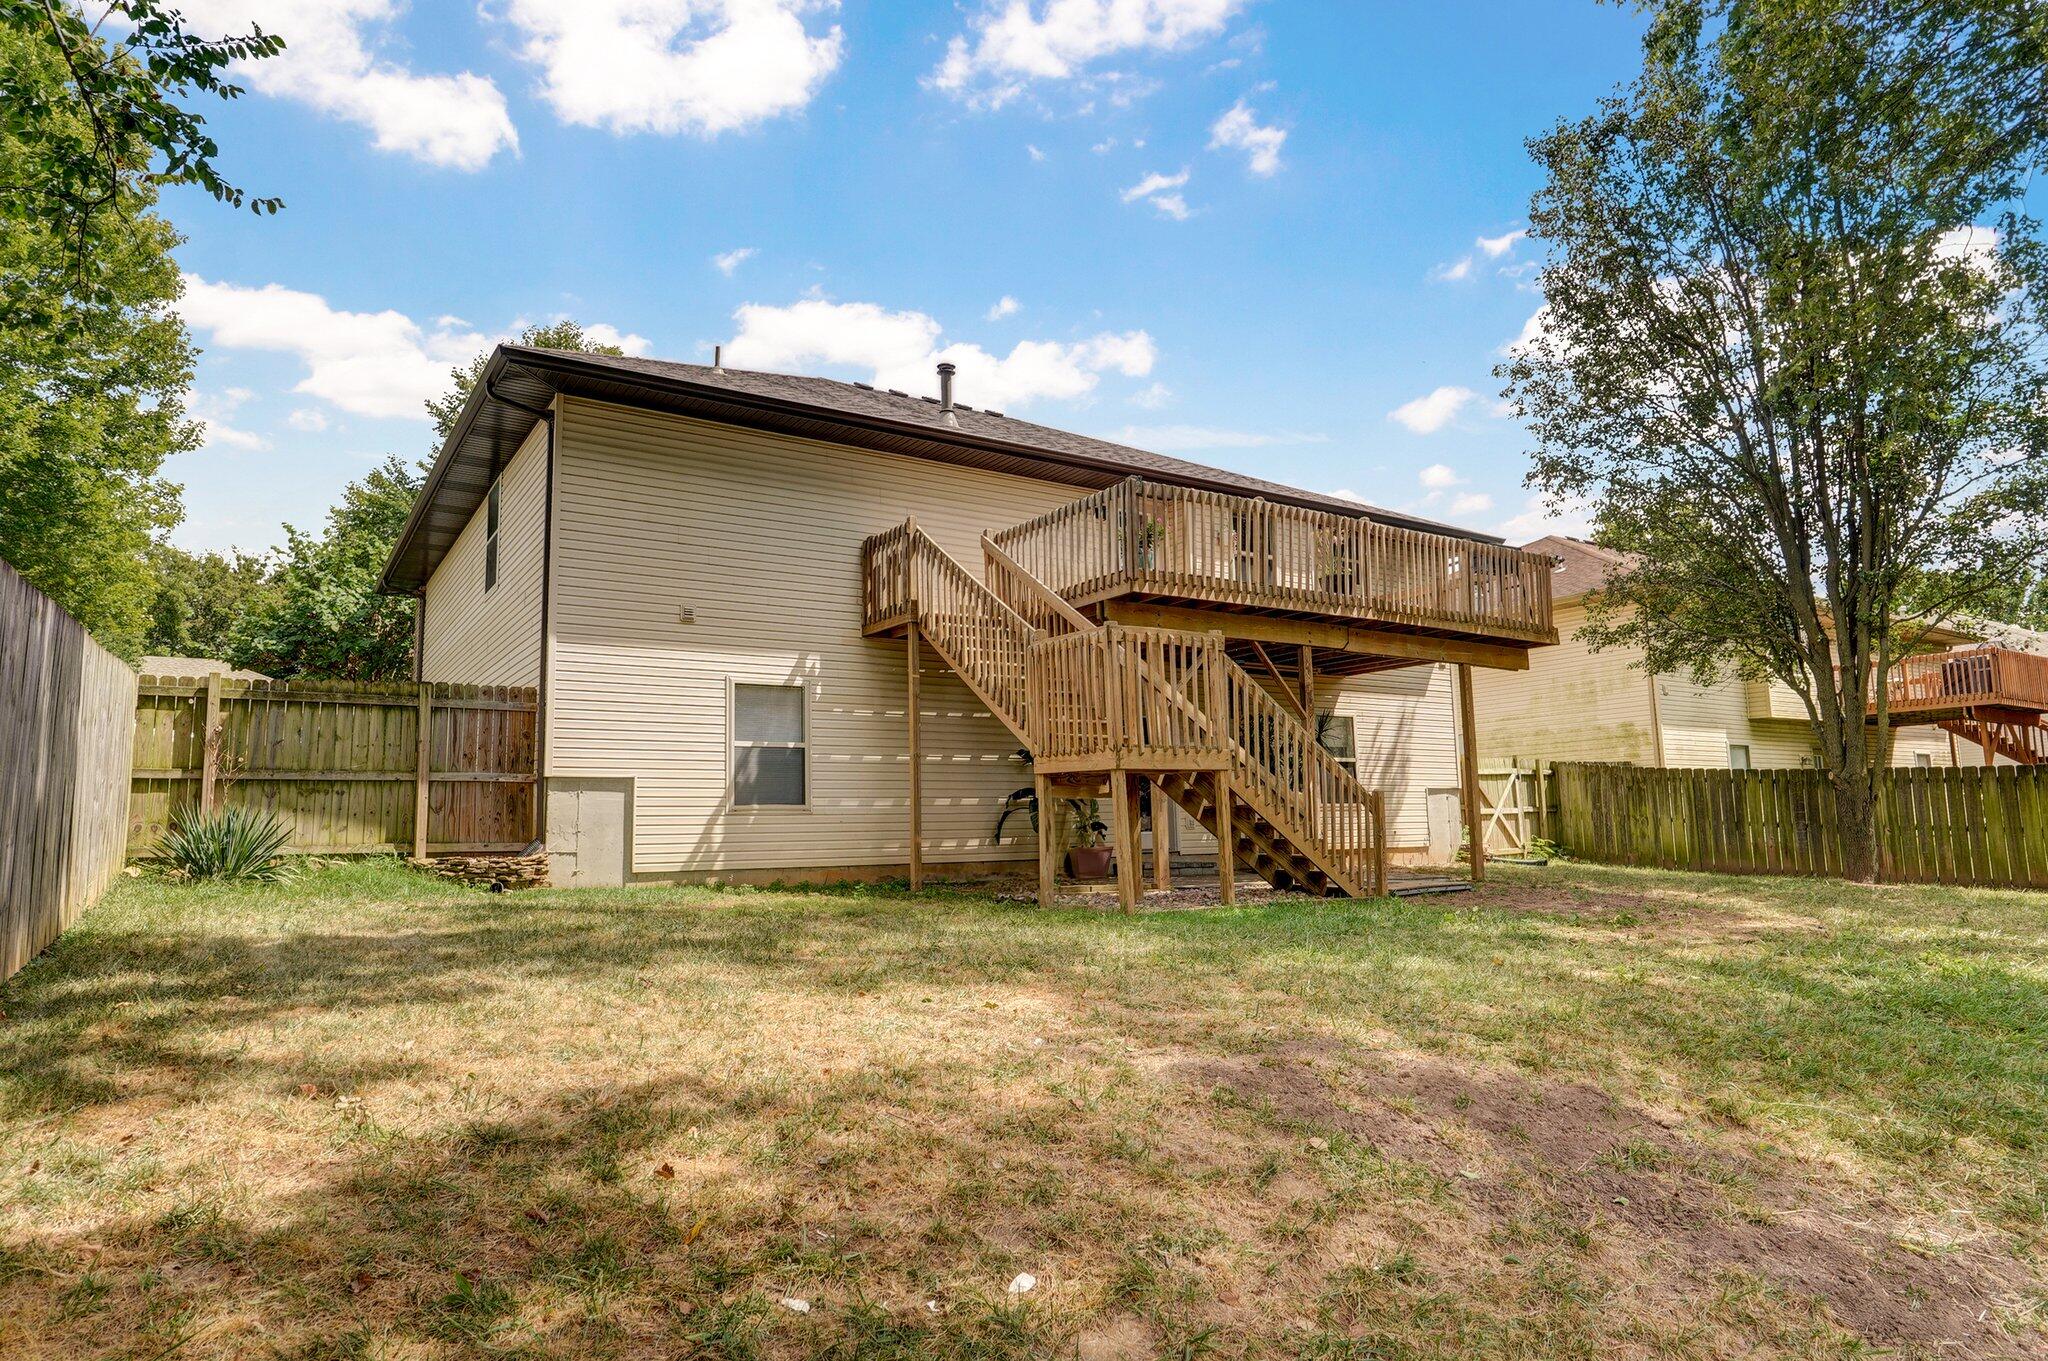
column 1088, row 862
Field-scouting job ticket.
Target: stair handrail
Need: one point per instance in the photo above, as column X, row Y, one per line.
column 1037, row 602
column 985, row 640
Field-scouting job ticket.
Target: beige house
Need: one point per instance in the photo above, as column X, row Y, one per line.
column 747, row 599
column 1574, row 704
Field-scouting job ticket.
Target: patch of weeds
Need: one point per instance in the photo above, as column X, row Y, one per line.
column 470, row 1311
column 1635, row 1155
column 202, row 1229
column 84, row 1297
column 725, row 1330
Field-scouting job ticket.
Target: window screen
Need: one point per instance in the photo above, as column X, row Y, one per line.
column 491, row 540
column 1923, row 759
column 768, row 755
column 1738, row 757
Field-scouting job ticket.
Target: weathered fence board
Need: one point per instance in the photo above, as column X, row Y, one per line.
column 1969, row 825
column 67, row 708
column 340, row 762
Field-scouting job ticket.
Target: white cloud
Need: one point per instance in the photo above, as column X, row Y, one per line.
column 1497, row 246
column 367, row 363
column 902, row 350
column 1437, row 476
column 333, row 61
column 1162, row 191
column 603, row 333
column 1471, row 503
column 1177, row 438
column 1430, row 413
column 1453, row 272
column 1011, row 43
column 213, row 409
column 1535, row 329
column 669, row 66
column 1239, row 127
column 1538, row 518
column 1032, row 150
column 1153, row 397
column 1974, row 245
column 1006, row 306
column 310, row 419
column 729, row 261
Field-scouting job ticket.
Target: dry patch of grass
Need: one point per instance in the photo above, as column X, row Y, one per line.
column 1584, row 1113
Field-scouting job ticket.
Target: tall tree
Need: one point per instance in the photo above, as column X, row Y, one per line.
column 1782, row 356
column 323, row 616
column 115, row 111
column 94, row 364
column 201, row 600
column 563, row 334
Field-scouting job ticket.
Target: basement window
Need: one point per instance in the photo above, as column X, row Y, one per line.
column 770, row 747
column 1337, row 734
column 1738, row 757
column 491, row 539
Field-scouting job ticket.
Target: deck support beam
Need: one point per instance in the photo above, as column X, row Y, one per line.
column 913, row 702
column 1226, row 843
column 1468, row 775
column 1048, row 842
column 1335, row 637
column 1162, row 838
column 1123, row 813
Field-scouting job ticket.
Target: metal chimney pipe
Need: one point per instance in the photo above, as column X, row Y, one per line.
column 945, row 387
column 717, row 357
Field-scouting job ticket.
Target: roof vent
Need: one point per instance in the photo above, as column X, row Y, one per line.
column 717, row 358
column 946, row 394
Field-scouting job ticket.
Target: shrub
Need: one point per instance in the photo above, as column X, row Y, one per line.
column 229, row 843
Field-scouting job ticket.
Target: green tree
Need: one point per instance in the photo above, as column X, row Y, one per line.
column 555, row 335
column 94, row 363
column 322, row 615
column 94, row 106
column 1780, row 358
column 201, row 600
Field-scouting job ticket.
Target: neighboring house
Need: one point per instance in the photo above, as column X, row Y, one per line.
column 712, row 578
column 194, row 668
column 1575, row 704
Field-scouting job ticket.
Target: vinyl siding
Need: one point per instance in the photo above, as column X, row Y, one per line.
column 479, row 637
column 759, row 536
column 1572, row 704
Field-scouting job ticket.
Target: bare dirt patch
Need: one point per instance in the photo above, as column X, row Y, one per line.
column 1510, row 1145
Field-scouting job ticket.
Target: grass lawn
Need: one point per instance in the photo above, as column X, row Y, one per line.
column 1583, row 1113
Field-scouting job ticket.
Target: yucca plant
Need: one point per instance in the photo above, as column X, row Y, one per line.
column 237, row 844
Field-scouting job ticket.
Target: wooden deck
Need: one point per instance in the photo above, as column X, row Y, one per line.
column 1965, row 682
column 1146, row 553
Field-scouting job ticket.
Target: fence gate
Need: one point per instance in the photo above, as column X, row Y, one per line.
column 1517, row 805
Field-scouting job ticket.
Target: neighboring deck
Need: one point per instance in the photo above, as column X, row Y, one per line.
column 1967, row 682
column 1362, row 595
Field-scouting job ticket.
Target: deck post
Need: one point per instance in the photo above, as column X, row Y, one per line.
column 1307, row 657
column 1468, row 762
column 1162, row 837
column 911, row 706
column 1123, row 813
column 1226, row 843
column 1048, row 841
column 423, row 774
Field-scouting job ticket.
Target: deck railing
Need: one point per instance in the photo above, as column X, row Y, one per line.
column 1147, row 538
column 1138, row 696
column 1970, row 677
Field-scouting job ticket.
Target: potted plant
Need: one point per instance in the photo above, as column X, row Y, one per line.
column 1151, row 533
column 1088, row 856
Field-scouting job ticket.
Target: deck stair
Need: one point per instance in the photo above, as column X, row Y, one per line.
column 1105, row 702
column 2019, row 738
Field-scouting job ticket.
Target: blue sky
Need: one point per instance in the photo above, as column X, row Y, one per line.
column 1277, row 237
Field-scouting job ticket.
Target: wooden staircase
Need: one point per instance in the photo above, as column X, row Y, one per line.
column 1106, row 702
column 2020, row 738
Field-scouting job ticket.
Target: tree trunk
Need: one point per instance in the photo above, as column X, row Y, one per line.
column 1856, row 825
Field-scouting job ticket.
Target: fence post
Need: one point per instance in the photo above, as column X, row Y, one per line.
column 209, row 768
column 423, row 773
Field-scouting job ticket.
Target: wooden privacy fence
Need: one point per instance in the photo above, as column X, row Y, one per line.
column 67, row 709
column 1969, row 825
column 351, row 767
